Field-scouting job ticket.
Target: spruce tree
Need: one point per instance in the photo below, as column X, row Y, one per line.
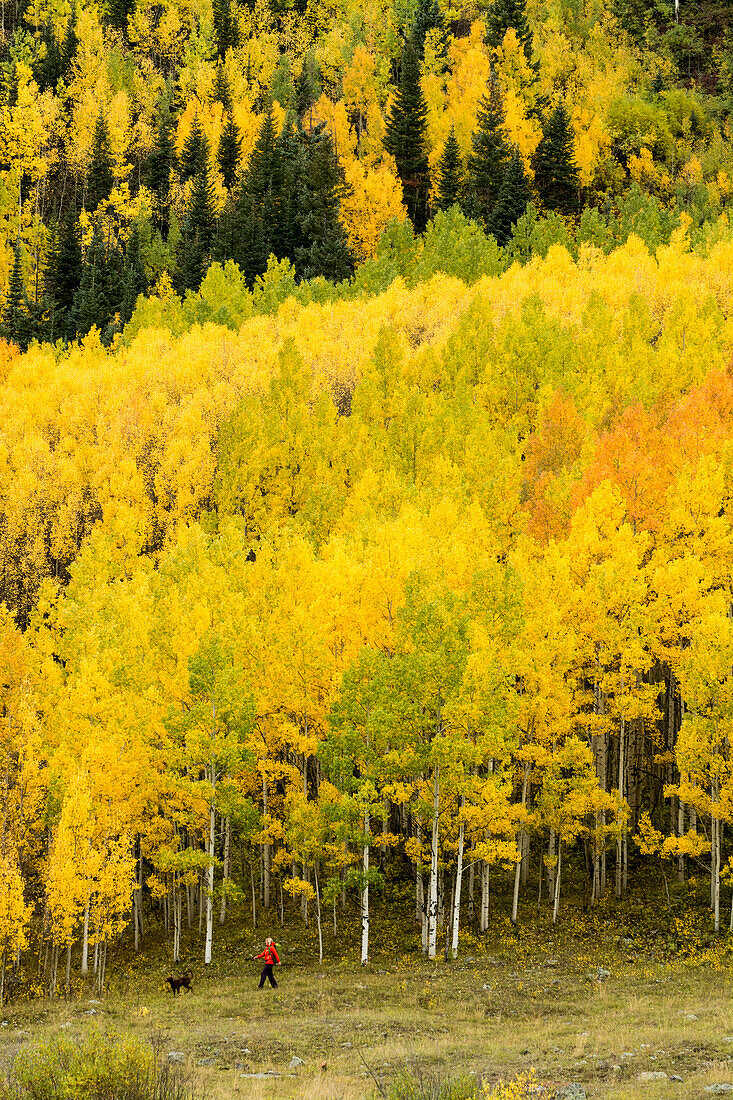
column 225, row 27
column 194, row 152
column 488, row 157
column 49, row 66
column 429, row 17
column 406, row 137
column 15, row 318
column 325, row 250
column 100, row 179
column 229, row 152
column 222, row 92
column 504, row 14
column 556, row 171
column 450, row 172
column 70, row 43
column 118, row 13
column 258, row 218
column 161, row 162
column 514, row 196
column 134, row 279
column 62, row 279
column 194, row 251
column 305, row 92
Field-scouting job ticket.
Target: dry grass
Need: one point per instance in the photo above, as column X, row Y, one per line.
column 516, row 1003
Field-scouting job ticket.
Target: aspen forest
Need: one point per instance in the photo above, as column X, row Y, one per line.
column 366, row 470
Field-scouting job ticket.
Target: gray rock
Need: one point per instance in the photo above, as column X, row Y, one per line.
column 347, row 1044
column 295, row 1061
column 675, row 1077
column 690, row 1016
column 727, row 1039
column 602, row 974
column 573, row 1091
column 206, row 1062
column 553, row 961
column 90, row 1012
column 652, row 1075
column 94, row 1002
column 176, row 1056
column 487, row 986
column 719, row 1090
column 261, row 1076
column 65, row 1027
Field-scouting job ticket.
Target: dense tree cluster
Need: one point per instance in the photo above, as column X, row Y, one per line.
column 416, row 592
column 141, row 142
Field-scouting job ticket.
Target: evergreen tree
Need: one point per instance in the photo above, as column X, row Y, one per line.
column 556, row 171
column 99, row 297
column 258, row 218
column 195, row 247
column 229, row 152
column 449, row 174
column 405, row 137
column 225, row 27
column 222, row 92
column 504, row 14
column 514, row 196
column 100, row 179
column 325, row 250
column 70, row 44
column 49, row 65
column 118, row 13
column 134, row 279
column 429, row 17
column 306, row 89
column 62, row 279
column 160, row 164
column 15, row 319
column 194, row 153
column 488, row 157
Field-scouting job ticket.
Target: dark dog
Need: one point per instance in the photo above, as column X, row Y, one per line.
column 177, row 984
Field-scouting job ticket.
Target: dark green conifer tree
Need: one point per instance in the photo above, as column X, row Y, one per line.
column 99, row 296
column 514, row 196
column 406, row 137
column 118, row 13
column 504, row 14
column 62, row 278
column 134, row 279
column 225, row 27
column 306, row 90
column 324, row 250
column 258, row 218
column 194, row 251
column 160, row 164
column 49, row 65
column 556, row 173
column 15, row 319
column 100, row 179
column 488, row 158
column 194, row 152
column 429, row 17
column 70, row 43
column 229, row 152
column 222, row 93
column 450, row 174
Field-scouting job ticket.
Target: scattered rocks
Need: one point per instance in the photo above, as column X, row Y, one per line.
column 727, row 1039
column 719, row 1090
column 176, row 1056
column 206, row 1062
column 65, row 1027
column 675, row 1077
column 487, row 987
column 295, row 1061
column 261, row 1076
column 347, row 1045
column 573, row 1091
column 602, row 975
column 652, row 1075
column 90, row 1012
column 553, row 961
column 687, row 1015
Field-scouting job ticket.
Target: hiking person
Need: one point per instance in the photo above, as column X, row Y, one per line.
column 271, row 959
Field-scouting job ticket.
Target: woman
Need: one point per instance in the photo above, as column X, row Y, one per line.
column 271, row 958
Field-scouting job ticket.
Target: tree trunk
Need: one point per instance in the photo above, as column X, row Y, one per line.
column 209, row 898
column 266, row 848
column 365, row 893
column 318, row 914
column 556, row 905
column 459, row 880
column 619, row 839
column 225, row 873
column 520, row 845
column 433, row 895
column 85, row 944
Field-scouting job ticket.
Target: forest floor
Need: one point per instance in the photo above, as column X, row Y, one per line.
column 599, row 1000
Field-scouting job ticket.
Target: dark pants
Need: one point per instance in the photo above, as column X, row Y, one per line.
column 267, row 973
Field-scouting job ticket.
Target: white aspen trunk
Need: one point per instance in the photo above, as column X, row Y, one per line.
column 681, row 832
column 225, row 874
column 556, row 905
column 209, row 898
column 457, row 891
column 85, row 943
column 318, row 914
column 419, row 885
column 619, row 839
column 484, row 915
column 472, row 890
column 365, row 894
column 96, row 957
column 266, row 849
column 551, row 865
column 177, row 913
column 604, row 784
column 520, row 844
column 433, row 895
column 67, row 984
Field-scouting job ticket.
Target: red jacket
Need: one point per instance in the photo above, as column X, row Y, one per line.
column 269, row 955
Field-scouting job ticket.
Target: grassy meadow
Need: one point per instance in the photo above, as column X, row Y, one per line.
column 533, row 998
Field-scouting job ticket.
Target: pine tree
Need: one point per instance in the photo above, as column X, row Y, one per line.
column 194, row 251
column 99, row 296
column 504, row 14
column 70, row 44
column 405, row 137
column 557, row 173
column 160, row 164
column 118, row 13
column 15, row 318
column 258, row 224
column 306, row 88
column 100, row 179
column 488, row 157
column 229, row 152
column 429, row 17
column 49, row 66
column 326, row 251
column 225, row 27
column 63, row 276
column 222, row 92
column 134, row 279
column 450, row 171
column 194, row 152
column 514, row 196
